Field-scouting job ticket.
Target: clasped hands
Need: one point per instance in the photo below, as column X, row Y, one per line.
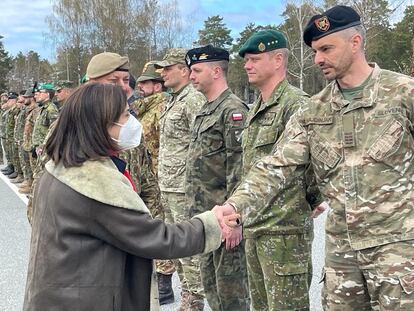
column 230, row 224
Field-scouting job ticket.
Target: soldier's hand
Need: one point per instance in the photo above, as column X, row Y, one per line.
column 232, row 220
column 223, row 210
column 233, row 236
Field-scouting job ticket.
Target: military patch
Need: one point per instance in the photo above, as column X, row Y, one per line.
column 145, row 67
column 261, row 47
column 203, row 56
column 322, row 24
column 237, row 117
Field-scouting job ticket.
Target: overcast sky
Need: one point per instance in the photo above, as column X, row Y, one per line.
column 22, row 22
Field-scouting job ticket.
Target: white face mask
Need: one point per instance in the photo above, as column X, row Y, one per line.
column 130, row 134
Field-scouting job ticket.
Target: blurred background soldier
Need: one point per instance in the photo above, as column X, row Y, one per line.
column 3, row 100
column 148, row 110
column 10, row 122
column 18, row 137
column 9, row 169
column 175, row 128
column 63, row 89
column 25, row 155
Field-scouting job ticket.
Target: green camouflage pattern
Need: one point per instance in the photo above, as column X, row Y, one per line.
column 3, row 118
column 289, row 211
column 148, row 110
column 350, row 145
column 24, row 159
column 19, row 124
column 47, row 115
column 213, row 170
column 12, row 153
column 279, row 271
column 377, row 278
column 175, row 130
column 33, row 112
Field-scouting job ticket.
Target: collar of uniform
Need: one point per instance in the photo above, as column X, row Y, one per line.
column 369, row 94
column 273, row 99
column 211, row 106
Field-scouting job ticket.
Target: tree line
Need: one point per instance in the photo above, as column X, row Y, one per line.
column 145, row 29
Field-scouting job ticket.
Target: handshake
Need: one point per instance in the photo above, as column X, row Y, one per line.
column 230, row 224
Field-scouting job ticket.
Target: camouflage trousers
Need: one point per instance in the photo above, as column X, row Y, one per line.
column 188, row 269
column 224, row 278
column 38, row 170
column 279, row 271
column 24, row 158
column 7, row 150
column 1, row 152
column 15, row 158
column 377, row 278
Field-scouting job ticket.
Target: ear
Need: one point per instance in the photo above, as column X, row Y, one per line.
column 278, row 58
column 356, row 43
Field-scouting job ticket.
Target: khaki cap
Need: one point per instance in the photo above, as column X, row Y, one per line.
column 150, row 73
column 105, row 63
column 173, row 57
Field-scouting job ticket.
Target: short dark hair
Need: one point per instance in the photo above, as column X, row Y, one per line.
column 81, row 132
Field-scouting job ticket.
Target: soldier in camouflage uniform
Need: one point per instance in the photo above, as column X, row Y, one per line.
column 148, row 111
column 358, row 135
column 213, row 169
column 47, row 115
column 175, row 128
column 278, row 234
column 63, row 90
column 25, row 155
column 3, row 101
column 10, row 123
column 18, row 137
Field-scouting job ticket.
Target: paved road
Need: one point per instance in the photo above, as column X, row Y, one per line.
column 14, row 248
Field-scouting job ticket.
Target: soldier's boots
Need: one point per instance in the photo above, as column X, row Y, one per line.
column 191, row 302
column 26, row 186
column 19, row 179
column 13, row 175
column 8, row 169
column 165, row 290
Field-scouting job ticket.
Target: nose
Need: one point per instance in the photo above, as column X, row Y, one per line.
column 247, row 65
column 318, row 58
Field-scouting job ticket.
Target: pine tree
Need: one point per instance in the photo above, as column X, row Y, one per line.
column 5, row 65
column 215, row 33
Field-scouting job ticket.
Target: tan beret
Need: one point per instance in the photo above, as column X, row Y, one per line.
column 105, row 63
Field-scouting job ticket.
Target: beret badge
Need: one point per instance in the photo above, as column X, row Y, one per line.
column 322, row 24
column 261, row 47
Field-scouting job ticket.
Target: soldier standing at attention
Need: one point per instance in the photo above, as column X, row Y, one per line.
column 28, row 164
column 3, row 100
column 358, row 135
column 9, row 169
column 148, row 111
column 278, row 233
column 10, row 123
column 213, row 169
column 48, row 113
column 175, row 127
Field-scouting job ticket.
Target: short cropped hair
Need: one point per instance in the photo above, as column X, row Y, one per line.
column 81, row 132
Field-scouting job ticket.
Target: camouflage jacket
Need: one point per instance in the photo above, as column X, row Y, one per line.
column 10, row 122
column 175, row 128
column 3, row 117
column 149, row 110
column 19, row 124
column 28, row 127
column 214, row 159
column 47, row 114
column 362, row 154
column 140, row 168
column 289, row 212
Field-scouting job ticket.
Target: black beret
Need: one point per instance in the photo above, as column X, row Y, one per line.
column 206, row 53
column 338, row 18
column 12, row 95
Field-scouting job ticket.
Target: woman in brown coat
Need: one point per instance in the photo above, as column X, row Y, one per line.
column 93, row 239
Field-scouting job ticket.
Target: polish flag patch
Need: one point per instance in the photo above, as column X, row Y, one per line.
column 237, row 117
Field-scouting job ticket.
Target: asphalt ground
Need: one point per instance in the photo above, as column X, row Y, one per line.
column 14, row 252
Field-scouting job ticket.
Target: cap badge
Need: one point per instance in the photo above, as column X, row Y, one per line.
column 203, row 56
column 188, row 60
column 261, row 47
column 145, row 67
column 322, row 24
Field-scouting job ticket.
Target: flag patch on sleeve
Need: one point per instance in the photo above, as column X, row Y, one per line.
column 237, row 117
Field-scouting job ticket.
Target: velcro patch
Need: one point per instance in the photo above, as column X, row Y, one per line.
column 237, row 117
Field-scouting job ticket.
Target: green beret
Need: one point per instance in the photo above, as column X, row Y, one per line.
column 173, row 57
column 105, row 63
column 206, row 53
column 84, row 79
column 264, row 41
column 62, row 84
column 338, row 18
column 150, row 73
column 46, row 86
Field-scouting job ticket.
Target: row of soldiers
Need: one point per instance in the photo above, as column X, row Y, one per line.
column 25, row 120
